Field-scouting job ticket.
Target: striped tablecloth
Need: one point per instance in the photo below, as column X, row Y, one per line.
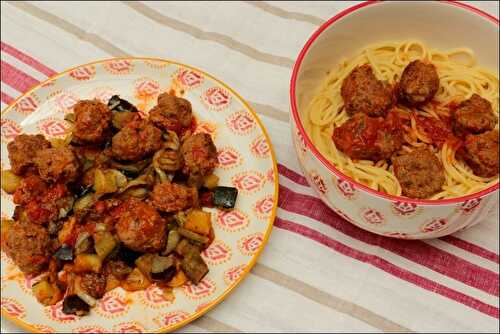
column 318, row 272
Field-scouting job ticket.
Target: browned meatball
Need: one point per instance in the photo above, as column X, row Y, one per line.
column 481, row 153
column 172, row 113
column 420, row 173
column 363, row 93
column 419, row 83
column 370, row 138
column 29, row 246
column 23, row 149
column 136, row 140
column 94, row 284
column 57, row 164
column 473, row 115
column 200, row 157
column 92, row 122
column 170, row 197
column 140, row 227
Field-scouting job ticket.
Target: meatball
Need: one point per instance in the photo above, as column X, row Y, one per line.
column 57, row 164
column 419, row 83
column 170, row 197
column 171, row 113
column 94, row 284
column 141, row 228
column 22, row 151
column 30, row 188
column 481, row 153
column 420, row 173
column 29, row 246
column 92, row 122
column 474, row 115
column 363, row 93
column 368, row 138
column 200, row 157
column 136, row 140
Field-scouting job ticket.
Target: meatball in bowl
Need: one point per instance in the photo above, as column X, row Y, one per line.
column 397, row 127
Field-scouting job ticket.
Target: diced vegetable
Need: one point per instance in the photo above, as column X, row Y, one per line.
column 83, row 190
column 87, row 262
column 6, row 224
column 115, row 103
column 80, row 292
column 65, row 206
column 198, row 221
column 46, row 293
column 120, row 119
column 119, row 269
column 180, row 217
column 173, row 239
column 194, row 266
column 145, row 263
column 83, row 243
column 134, row 168
column 163, row 268
column 84, row 202
column 192, row 235
column 104, row 183
column 127, row 255
column 73, row 304
column 225, row 197
column 64, row 253
column 136, row 280
column 10, row 181
column 211, row 181
column 104, row 243
column 178, row 280
column 136, row 192
column 111, row 282
column 67, row 232
column 184, row 247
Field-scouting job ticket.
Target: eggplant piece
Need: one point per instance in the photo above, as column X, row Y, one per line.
column 54, row 226
column 185, row 247
column 119, row 269
column 193, row 236
column 64, row 253
column 173, row 239
column 128, row 256
column 163, row 268
column 115, row 103
column 194, row 266
column 75, row 305
column 83, row 190
column 225, row 197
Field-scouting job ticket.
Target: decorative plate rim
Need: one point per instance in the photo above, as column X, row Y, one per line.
column 270, row 221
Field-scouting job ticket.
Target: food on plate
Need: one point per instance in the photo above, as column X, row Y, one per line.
column 117, row 203
column 408, row 120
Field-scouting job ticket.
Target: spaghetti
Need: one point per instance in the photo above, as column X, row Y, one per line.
column 460, row 78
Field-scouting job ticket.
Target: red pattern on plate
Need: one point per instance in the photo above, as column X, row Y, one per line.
column 83, row 73
column 112, row 305
column 301, row 142
column 103, row 94
column 470, row 205
column 319, row 183
column 248, row 182
column 233, row 220
column 241, row 123
column 171, row 318
column 128, row 327
column 189, row 78
column 434, row 225
column 216, row 98
column 260, row 147
column 9, row 129
column 146, row 87
column 153, row 297
column 201, row 290
column 27, row 104
column 65, row 101
column 53, row 127
column 232, row 274
column 250, row 244
column 90, row 329
column 270, row 175
column 404, row 208
column 398, row 235
column 55, row 313
column 346, row 188
column 206, row 127
column 372, row 216
column 229, row 157
column 119, row 66
column 12, row 307
column 218, row 252
column 263, row 207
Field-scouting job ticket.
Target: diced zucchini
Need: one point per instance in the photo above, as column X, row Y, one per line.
column 192, row 235
column 163, row 268
column 46, row 293
column 178, row 280
column 136, row 280
column 225, row 197
column 64, row 253
column 198, row 221
column 104, row 243
column 111, row 282
column 145, row 263
column 73, row 304
column 194, row 266
column 10, row 181
column 173, row 239
column 184, row 247
column 115, row 103
column 87, row 262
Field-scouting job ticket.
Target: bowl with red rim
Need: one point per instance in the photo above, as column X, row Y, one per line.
column 340, row 37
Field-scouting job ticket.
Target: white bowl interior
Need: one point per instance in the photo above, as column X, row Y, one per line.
column 440, row 25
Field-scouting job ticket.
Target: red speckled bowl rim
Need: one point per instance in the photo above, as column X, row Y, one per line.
column 328, row 164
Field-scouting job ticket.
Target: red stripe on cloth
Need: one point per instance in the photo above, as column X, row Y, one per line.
column 292, row 175
column 474, row 249
column 17, row 79
column 413, row 250
column 27, row 59
column 388, row 267
column 7, row 99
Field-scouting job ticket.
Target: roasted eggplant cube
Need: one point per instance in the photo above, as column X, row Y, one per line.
column 127, row 255
column 163, row 268
column 75, row 305
column 225, row 197
column 64, row 253
column 194, row 267
column 116, row 103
